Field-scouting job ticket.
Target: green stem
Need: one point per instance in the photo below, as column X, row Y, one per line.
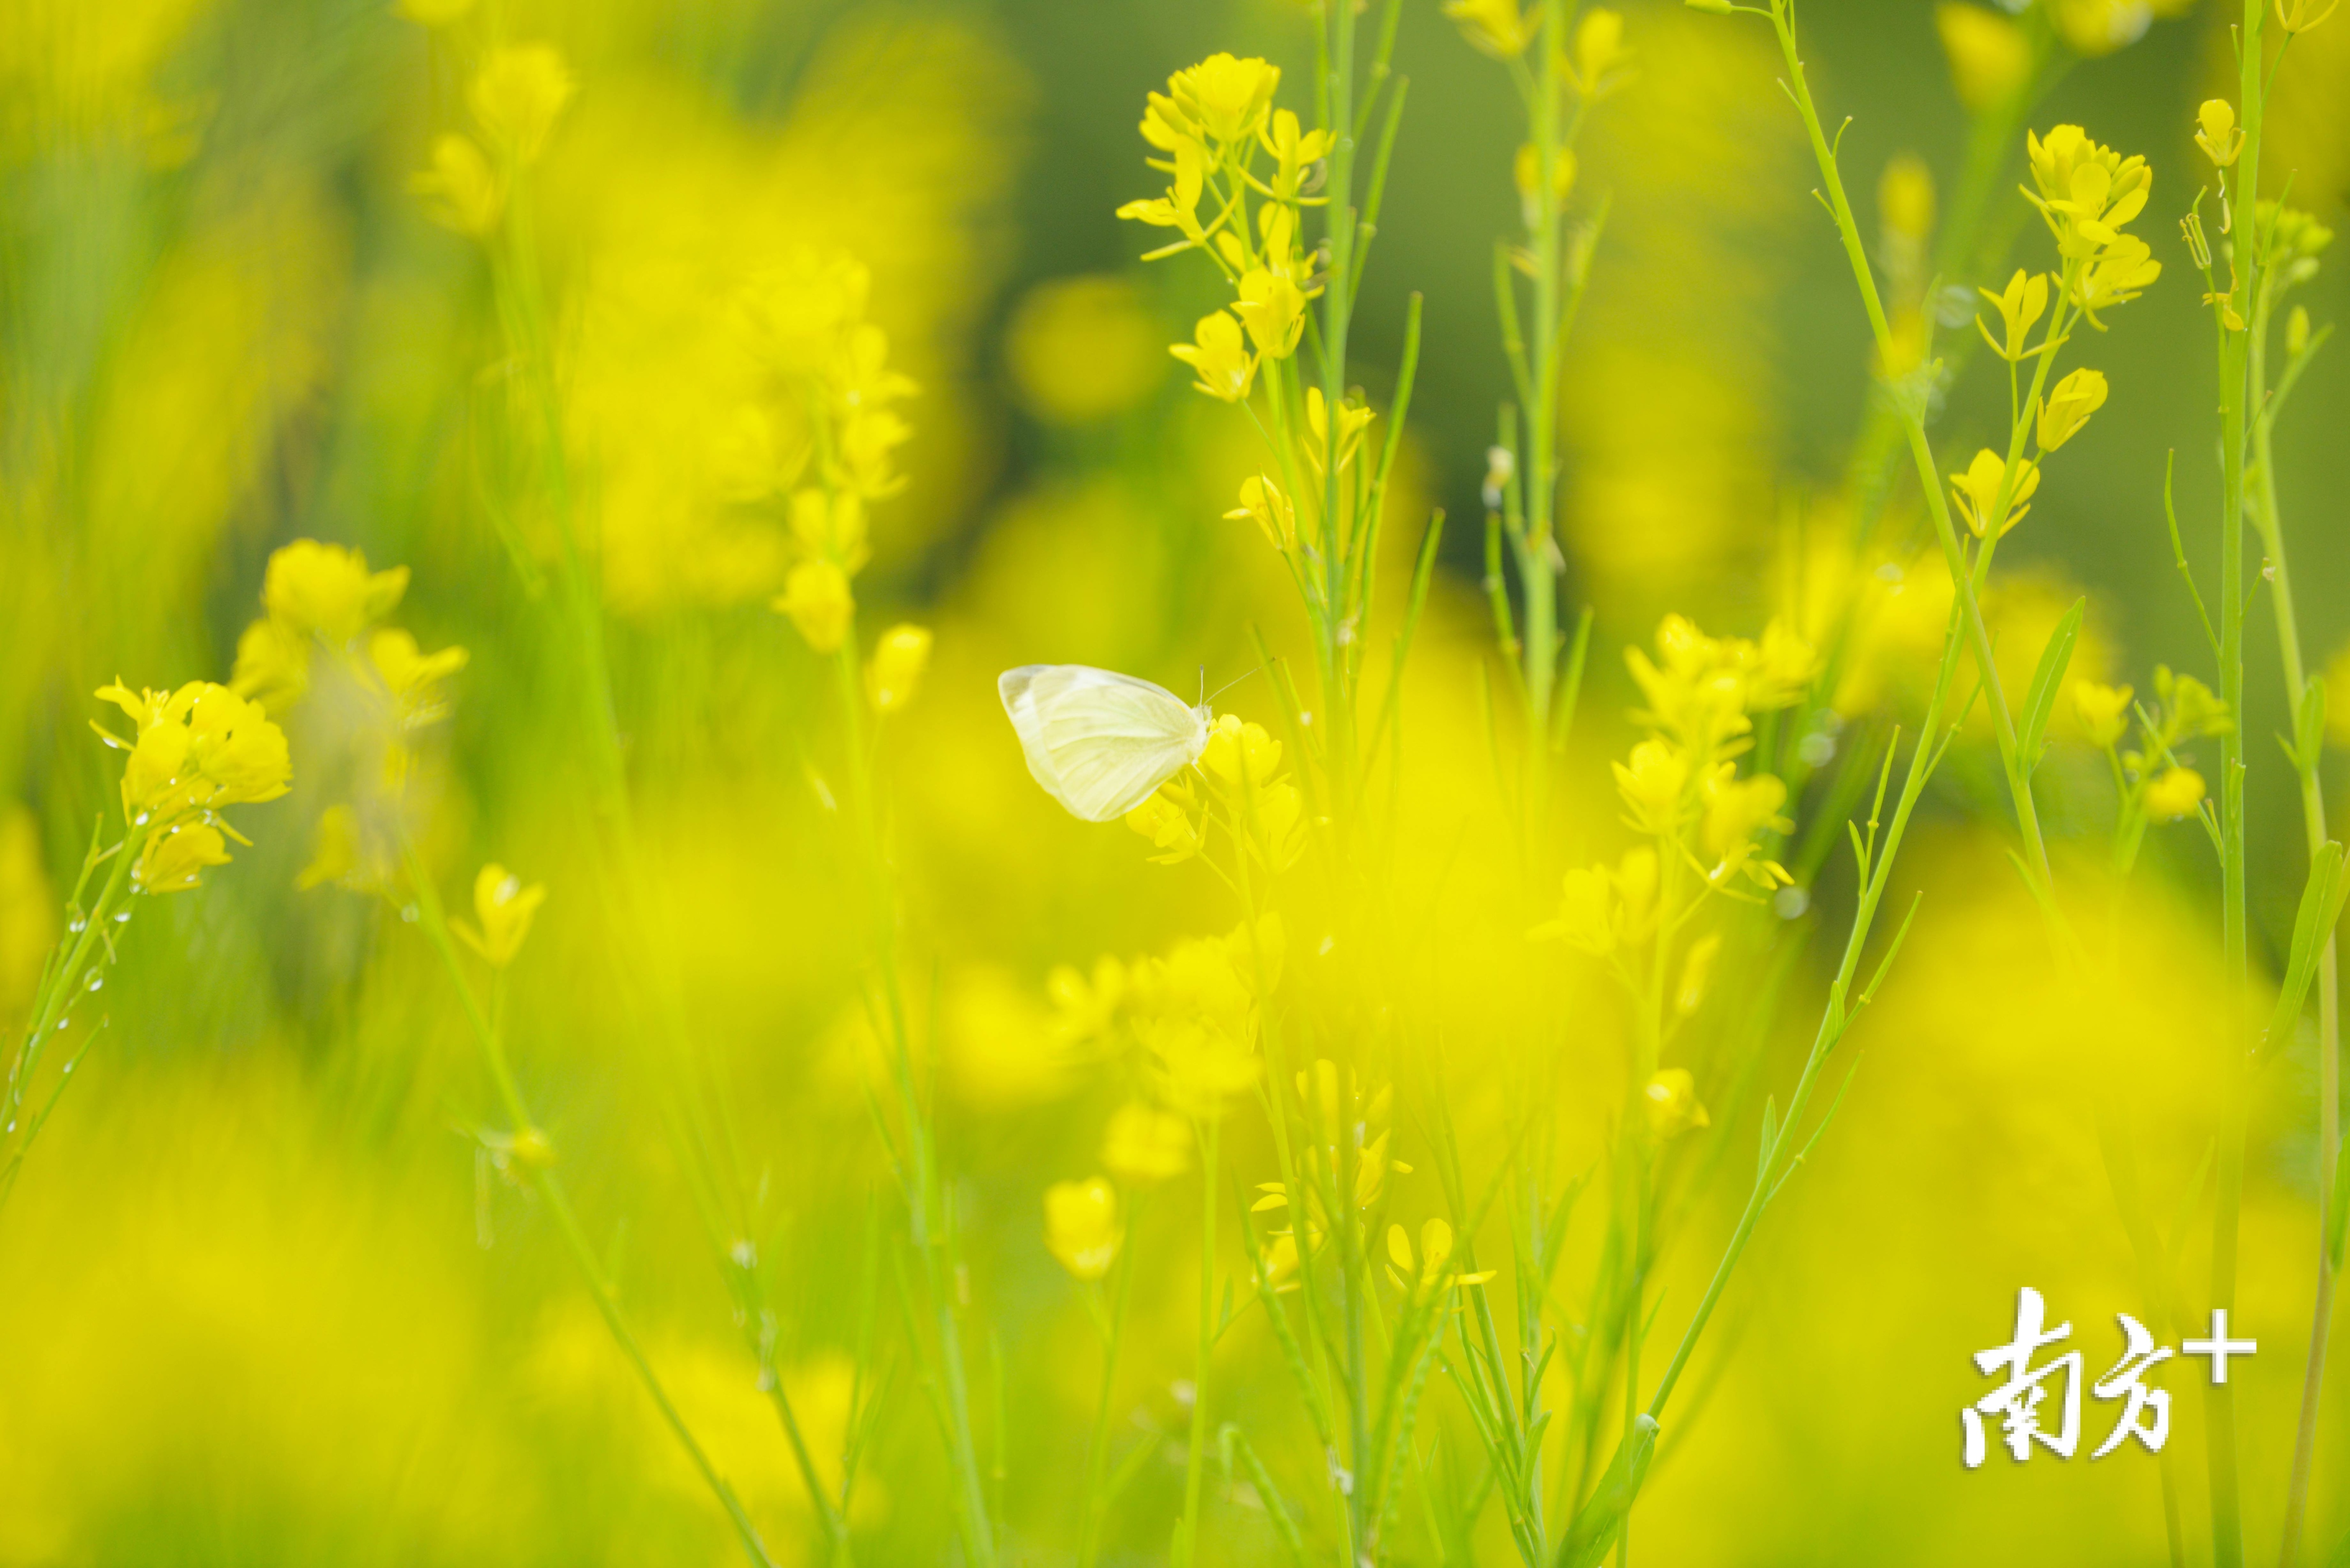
column 1195, row 1459
column 1098, row 1442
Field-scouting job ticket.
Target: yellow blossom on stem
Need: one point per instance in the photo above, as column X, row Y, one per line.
column 1233, row 746
column 1294, row 150
column 1495, row 26
column 1991, row 60
column 175, row 858
column 1263, row 503
column 327, row 590
column 2103, row 711
column 460, row 190
column 896, row 669
column 1272, row 308
column 1219, row 358
column 1654, row 783
column 2019, row 305
column 2173, row 794
column 200, row 748
column 1735, row 810
column 1353, row 420
column 1427, row 1271
column 817, row 596
column 2068, row 406
column 411, row 677
column 1223, row 97
column 2088, row 192
column 2217, row 134
column 1977, row 491
column 2301, row 16
column 1081, row 1226
column 1164, row 817
column 518, row 95
column 1595, row 66
column 1672, row 1104
column 2125, row 269
column 504, row 906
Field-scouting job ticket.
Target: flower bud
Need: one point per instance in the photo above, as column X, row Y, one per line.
column 817, row 596
column 2068, row 406
column 896, row 670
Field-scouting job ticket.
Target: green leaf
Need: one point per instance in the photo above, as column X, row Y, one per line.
column 2040, row 701
column 2321, row 906
column 1596, row 1523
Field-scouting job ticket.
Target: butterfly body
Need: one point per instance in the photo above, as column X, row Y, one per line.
column 1098, row 741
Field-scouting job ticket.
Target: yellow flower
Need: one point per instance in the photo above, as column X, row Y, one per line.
column 1294, row 150
column 1735, row 810
column 2217, row 135
column 2103, row 712
column 1164, row 819
column 460, row 189
column 2068, row 406
column 2301, row 16
column 867, row 438
column 1272, row 308
column 1600, row 909
column 412, row 675
column 1233, row 746
column 1654, row 783
column 1427, row 1272
column 2019, row 305
column 516, row 96
column 174, row 857
column 2119, row 275
column 1672, row 1103
column 1278, row 825
column 2101, row 26
column 1598, row 51
column 1143, row 1145
column 2087, row 190
column 1353, row 420
column 1494, row 26
column 1991, row 60
column 817, row 596
column 899, row 658
column 504, row 908
column 1224, row 98
column 1977, row 491
column 2174, row 793
column 200, row 748
column 1219, row 358
column 327, row 590
column 1905, row 197
column 1525, row 170
column 337, row 856
column 273, row 665
column 1085, row 1008
column 1263, row 502
column 830, row 527
column 1081, row 1226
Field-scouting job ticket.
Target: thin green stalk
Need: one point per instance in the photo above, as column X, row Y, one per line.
column 1195, row 1459
column 549, row 1188
column 1098, row 1441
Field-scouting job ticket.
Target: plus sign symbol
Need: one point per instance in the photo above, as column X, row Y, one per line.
column 2219, row 1347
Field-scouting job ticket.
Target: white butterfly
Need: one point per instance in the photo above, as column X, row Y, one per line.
column 1099, row 742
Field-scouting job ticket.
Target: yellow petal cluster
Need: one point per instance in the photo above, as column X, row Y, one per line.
column 1082, row 1227
column 503, row 910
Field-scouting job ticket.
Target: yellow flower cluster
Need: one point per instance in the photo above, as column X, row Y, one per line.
column 825, row 437
column 1345, row 1123
column 1990, row 59
column 516, row 95
column 2156, row 776
column 2088, row 194
column 2095, row 27
column 1192, row 1014
column 321, row 598
column 195, row 751
column 1213, row 124
column 1238, row 787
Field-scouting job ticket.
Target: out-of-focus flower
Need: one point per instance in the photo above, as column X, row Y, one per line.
column 2068, row 406
column 1736, row 810
column 1977, row 491
column 896, row 669
column 2174, row 792
column 1219, row 358
column 410, row 677
column 1143, row 1145
column 817, row 596
column 1082, row 349
column 1235, row 748
column 2095, row 27
column 1081, row 1226
column 460, row 189
column 336, row 857
column 327, row 591
column 1603, row 908
column 1596, row 63
column 2301, row 16
column 1426, row 1271
column 1905, row 199
column 28, row 916
column 2189, row 708
column 1672, row 1104
column 1991, row 60
column 504, row 906
column 518, row 95
column 1164, row 817
column 1494, row 26
column 1525, row 172
column 2103, row 711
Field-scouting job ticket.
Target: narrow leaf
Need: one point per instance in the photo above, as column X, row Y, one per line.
column 2321, row 906
column 2040, row 701
column 1593, row 1530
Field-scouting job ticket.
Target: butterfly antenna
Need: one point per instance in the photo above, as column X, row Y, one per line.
column 1228, row 685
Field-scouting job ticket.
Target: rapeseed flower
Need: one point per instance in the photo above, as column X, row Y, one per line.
column 503, row 907
column 1425, row 1272
column 2173, row 794
column 2068, row 406
column 2019, row 305
column 1991, row 60
column 1263, row 503
column 460, row 190
column 1977, row 492
column 2102, row 711
column 1220, row 360
column 1082, row 1227
column 896, row 669
column 2216, row 132
column 1497, row 27
column 817, row 596
column 1672, row 1101
column 1143, row 1145
column 1082, row 349
column 516, row 96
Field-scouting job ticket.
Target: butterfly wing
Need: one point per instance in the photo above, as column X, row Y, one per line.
column 1098, row 741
